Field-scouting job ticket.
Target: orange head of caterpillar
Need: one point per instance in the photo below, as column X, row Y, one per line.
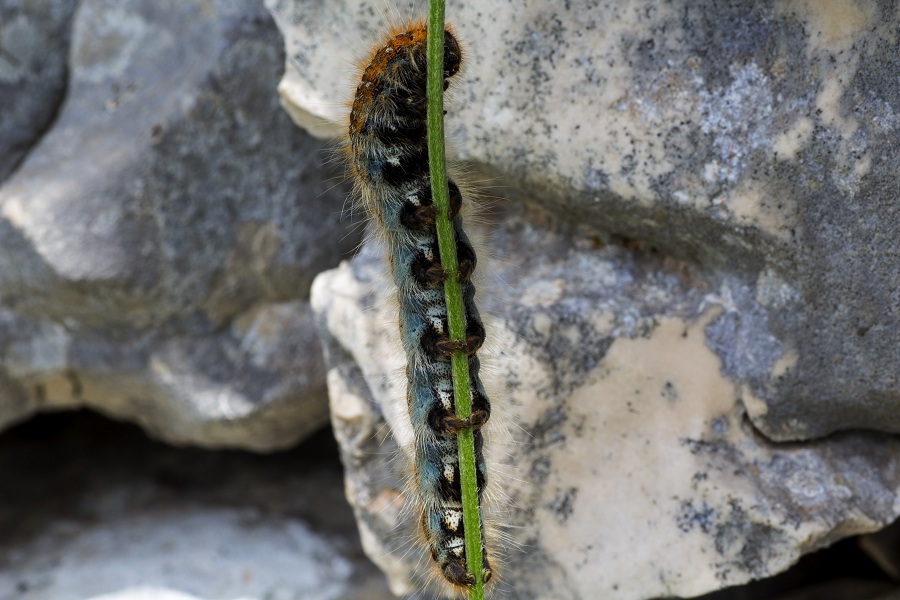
column 392, row 83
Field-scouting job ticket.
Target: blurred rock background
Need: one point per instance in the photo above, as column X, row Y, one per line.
column 162, row 225
column 694, row 300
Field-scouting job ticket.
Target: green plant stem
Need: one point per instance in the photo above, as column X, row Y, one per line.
column 456, row 318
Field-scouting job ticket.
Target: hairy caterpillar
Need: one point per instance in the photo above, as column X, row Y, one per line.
column 388, row 157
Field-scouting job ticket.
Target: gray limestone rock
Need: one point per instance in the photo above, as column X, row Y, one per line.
column 621, row 460
column 34, row 47
column 733, row 284
column 158, row 244
column 754, row 139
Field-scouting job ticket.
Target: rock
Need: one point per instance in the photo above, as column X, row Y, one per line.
column 621, row 460
column 34, row 46
column 158, row 244
column 98, row 511
column 733, row 283
column 756, row 141
column 149, row 593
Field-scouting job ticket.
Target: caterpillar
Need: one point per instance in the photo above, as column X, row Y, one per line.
column 388, row 159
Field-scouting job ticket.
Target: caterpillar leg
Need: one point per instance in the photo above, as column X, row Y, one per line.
column 438, row 345
column 443, row 527
column 443, row 420
column 418, row 212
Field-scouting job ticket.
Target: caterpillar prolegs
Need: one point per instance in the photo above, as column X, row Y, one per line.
column 389, row 160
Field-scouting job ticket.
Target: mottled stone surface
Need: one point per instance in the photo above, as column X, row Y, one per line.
column 735, row 285
column 754, row 139
column 621, row 457
column 34, row 47
column 157, row 245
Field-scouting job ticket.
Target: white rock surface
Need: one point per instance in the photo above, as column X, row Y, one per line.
column 151, row 593
column 752, row 139
column 211, row 553
column 731, row 283
column 627, row 462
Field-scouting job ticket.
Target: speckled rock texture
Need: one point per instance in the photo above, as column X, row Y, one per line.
column 158, row 242
column 732, row 285
column 34, row 46
column 755, row 139
column 621, row 460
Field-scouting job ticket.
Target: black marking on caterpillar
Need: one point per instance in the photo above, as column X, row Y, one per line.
column 388, row 155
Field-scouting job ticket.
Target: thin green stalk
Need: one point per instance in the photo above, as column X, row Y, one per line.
column 456, row 318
